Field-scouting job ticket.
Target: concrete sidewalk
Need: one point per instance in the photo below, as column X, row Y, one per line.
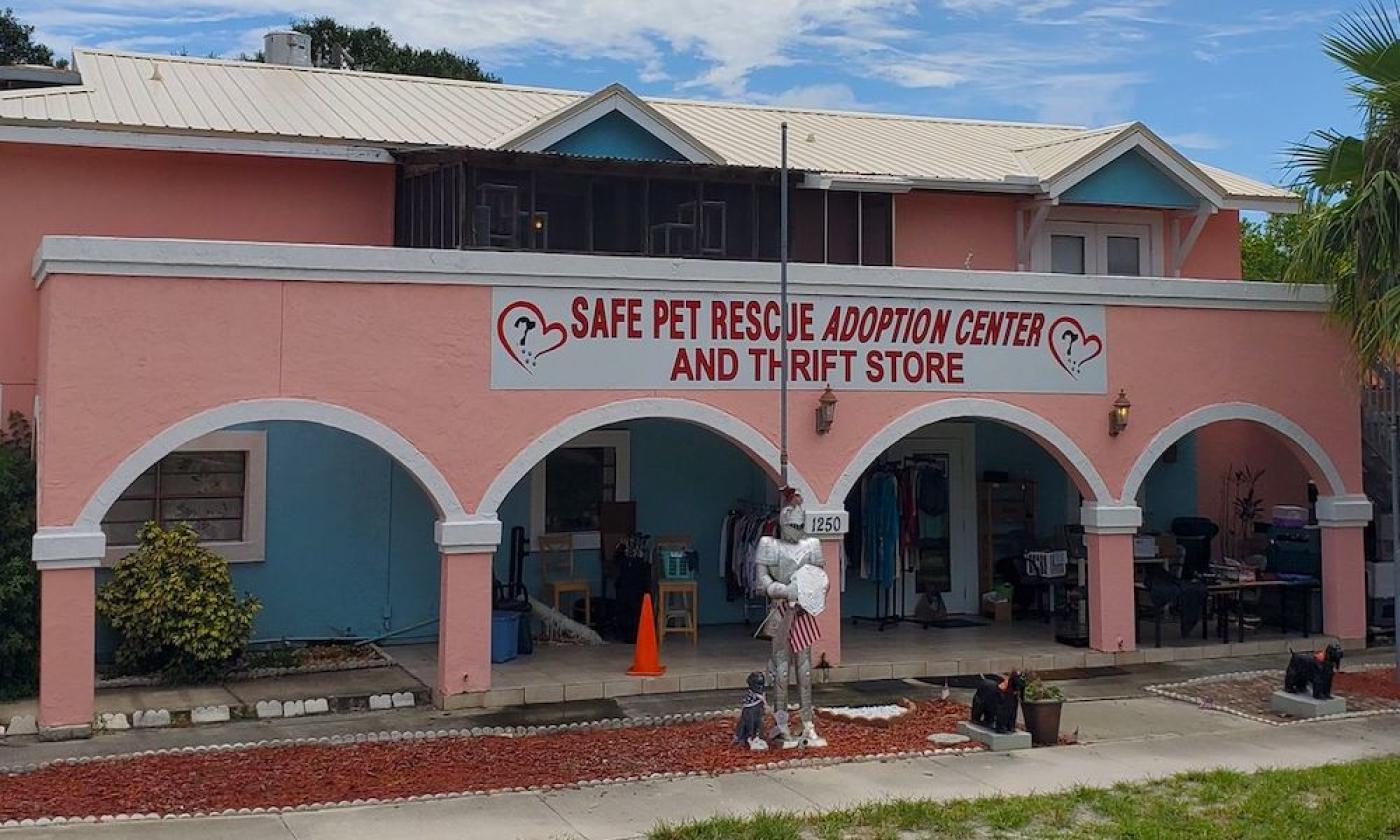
column 1186, row 738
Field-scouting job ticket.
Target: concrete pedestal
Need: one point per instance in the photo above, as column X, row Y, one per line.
column 995, row 741
column 1305, row 706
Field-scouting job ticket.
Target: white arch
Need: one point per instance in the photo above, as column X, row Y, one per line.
column 969, row 407
column 263, row 410
column 716, row 420
column 1219, row 412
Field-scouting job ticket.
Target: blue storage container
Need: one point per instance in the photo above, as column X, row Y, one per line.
column 505, row 635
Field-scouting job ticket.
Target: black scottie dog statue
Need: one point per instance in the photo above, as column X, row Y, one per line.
column 1313, row 670
column 995, row 704
column 750, row 728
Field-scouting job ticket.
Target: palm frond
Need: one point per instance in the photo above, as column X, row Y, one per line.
column 1332, row 162
column 1365, row 43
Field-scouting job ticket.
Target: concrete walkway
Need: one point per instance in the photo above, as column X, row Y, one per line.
column 625, row 811
column 1127, row 737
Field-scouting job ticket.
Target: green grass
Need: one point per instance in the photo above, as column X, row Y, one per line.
column 1354, row 801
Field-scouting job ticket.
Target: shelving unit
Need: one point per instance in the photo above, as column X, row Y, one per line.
column 1005, row 524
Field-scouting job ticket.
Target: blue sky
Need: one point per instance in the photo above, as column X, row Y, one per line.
column 1230, row 82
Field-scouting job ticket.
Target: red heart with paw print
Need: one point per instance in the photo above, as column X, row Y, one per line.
column 526, row 334
column 1072, row 346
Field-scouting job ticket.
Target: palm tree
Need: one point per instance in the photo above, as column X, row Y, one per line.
column 1353, row 244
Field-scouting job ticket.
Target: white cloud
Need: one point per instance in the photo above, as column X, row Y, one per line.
column 1196, row 140
column 825, row 96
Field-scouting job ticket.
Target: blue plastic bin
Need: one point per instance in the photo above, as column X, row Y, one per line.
column 505, row 635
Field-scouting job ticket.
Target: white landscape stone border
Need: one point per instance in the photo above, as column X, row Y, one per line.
column 1168, row 690
column 431, row 735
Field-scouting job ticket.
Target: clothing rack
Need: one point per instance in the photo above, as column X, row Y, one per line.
column 751, row 602
column 889, row 596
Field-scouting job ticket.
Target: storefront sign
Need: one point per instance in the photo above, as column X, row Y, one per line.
column 557, row 338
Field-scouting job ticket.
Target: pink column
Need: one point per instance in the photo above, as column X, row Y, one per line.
column 464, row 627
column 1344, row 582
column 830, row 619
column 1112, row 617
column 67, row 647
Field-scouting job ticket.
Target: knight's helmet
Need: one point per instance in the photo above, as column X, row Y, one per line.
column 792, row 519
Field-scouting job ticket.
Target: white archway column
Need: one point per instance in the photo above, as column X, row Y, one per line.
column 467, row 549
column 1343, row 521
column 1108, row 538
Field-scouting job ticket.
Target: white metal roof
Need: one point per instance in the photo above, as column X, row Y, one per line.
column 211, row 97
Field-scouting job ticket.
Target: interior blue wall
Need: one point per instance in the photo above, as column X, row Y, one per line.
column 350, row 546
column 1130, row 180
column 1170, row 489
column 684, row 480
column 613, row 135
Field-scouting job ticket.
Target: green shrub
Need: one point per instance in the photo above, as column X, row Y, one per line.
column 19, row 582
column 172, row 603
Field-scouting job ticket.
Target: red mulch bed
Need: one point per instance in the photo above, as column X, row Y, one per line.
column 274, row 777
column 1373, row 682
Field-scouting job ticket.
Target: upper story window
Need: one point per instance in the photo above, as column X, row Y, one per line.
column 1128, row 248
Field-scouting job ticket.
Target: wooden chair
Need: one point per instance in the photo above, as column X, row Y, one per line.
column 677, row 599
column 556, row 552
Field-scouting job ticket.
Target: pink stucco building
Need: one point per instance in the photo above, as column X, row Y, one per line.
column 357, row 328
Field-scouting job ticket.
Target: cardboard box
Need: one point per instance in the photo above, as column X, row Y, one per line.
column 997, row 610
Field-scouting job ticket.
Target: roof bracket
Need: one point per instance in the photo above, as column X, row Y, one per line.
column 1184, row 244
column 1026, row 233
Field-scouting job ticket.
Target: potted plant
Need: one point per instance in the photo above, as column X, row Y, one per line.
column 1041, row 707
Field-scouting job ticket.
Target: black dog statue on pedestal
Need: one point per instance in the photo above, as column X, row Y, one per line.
column 1313, row 671
column 750, row 729
column 996, row 702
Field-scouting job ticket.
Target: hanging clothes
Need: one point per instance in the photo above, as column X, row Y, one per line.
column 739, row 536
column 882, row 526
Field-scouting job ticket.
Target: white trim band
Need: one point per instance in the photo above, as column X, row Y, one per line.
column 1110, row 518
column 68, row 547
column 1349, row 511
column 189, row 258
column 473, row 535
column 170, row 142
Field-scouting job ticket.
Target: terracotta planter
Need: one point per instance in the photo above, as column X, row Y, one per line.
column 1043, row 721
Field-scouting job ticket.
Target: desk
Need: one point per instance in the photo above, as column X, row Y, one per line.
column 1234, row 591
column 1138, row 562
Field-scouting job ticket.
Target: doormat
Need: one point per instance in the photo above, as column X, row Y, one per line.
column 948, row 623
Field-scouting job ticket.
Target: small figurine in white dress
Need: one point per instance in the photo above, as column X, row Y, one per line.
column 791, row 573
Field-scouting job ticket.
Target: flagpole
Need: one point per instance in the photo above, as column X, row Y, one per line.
column 783, row 303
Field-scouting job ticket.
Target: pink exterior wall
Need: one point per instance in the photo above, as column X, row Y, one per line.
column 940, row 229
column 105, row 192
column 103, row 346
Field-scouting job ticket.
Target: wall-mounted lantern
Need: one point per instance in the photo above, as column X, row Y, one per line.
column 826, row 411
column 1118, row 417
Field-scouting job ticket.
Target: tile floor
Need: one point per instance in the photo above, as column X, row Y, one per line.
column 725, row 654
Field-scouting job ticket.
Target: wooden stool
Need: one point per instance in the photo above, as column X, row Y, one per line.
column 557, row 568
column 689, row 610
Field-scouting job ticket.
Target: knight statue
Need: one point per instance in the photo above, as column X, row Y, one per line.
column 791, row 573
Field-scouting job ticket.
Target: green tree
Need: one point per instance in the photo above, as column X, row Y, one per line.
column 1353, row 241
column 372, row 48
column 17, row 45
column 1267, row 247
column 19, row 582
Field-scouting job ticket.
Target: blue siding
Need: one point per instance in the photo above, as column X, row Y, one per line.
column 613, row 135
column 1131, row 180
column 1170, row 490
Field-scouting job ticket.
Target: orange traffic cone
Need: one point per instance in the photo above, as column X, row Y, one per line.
column 647, row 660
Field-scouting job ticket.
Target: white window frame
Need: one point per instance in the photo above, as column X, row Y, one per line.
column 1096, row 225
column 253, row 547
column 620, row 441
